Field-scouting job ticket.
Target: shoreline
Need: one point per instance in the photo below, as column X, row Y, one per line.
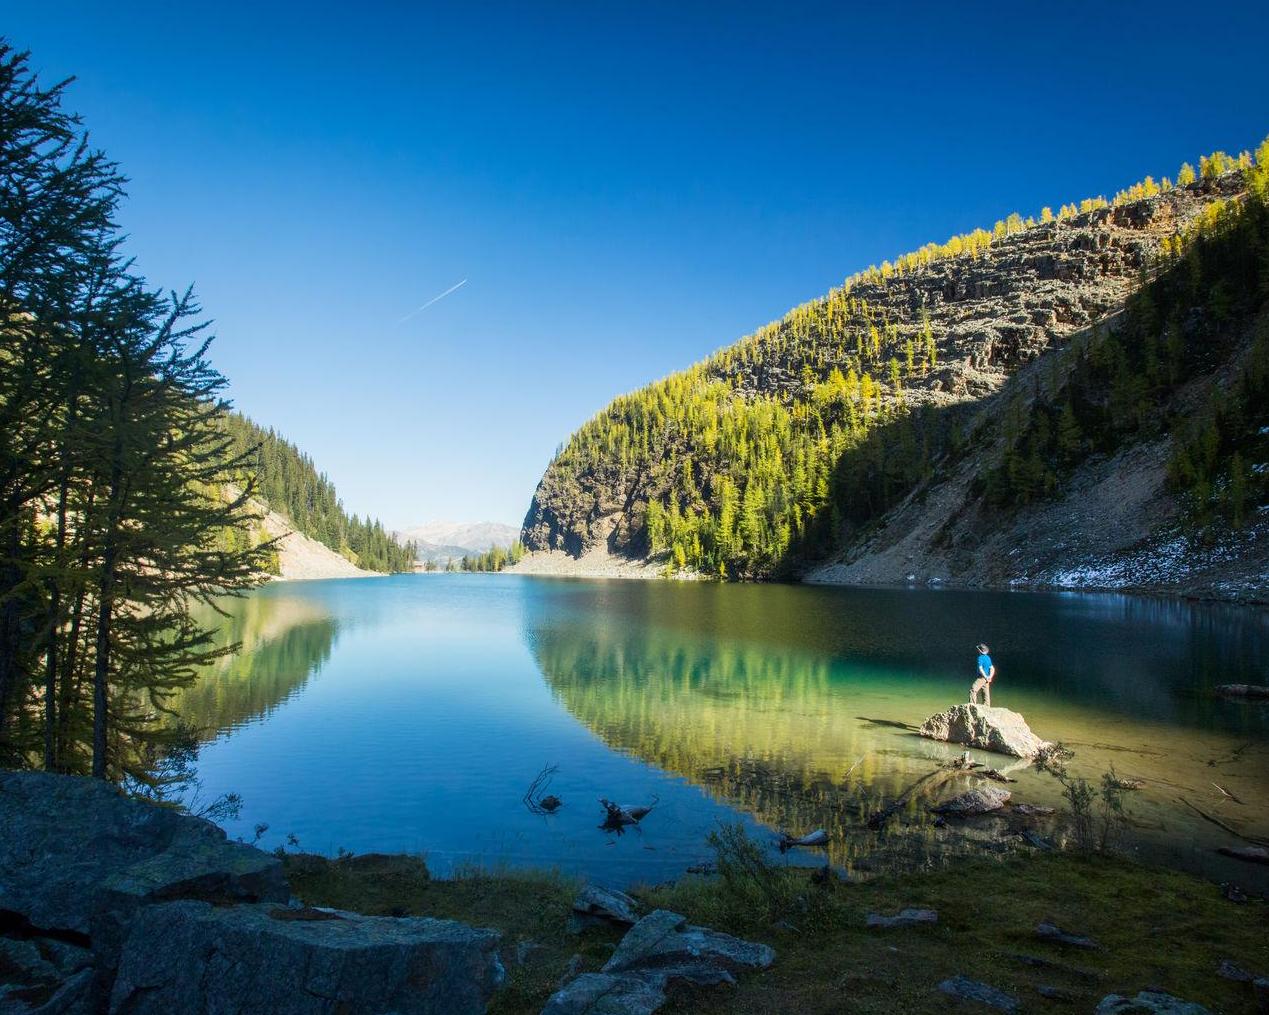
column 598, row 563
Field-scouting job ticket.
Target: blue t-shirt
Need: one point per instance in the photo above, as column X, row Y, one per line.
column 984, row 664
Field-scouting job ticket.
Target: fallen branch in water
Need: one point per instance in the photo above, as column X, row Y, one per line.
column 533, row 796
column 1253, row 839
column 877, row 820
column 786, row 842
column 1227, row 794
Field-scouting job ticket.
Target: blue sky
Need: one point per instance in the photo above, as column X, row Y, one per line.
column 624, row 186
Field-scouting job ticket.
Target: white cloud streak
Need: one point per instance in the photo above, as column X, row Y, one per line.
column 435, row 299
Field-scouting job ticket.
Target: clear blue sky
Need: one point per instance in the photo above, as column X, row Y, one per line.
column 625, row 186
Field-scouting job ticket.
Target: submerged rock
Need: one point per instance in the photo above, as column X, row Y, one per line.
column 1148, row 1002
column 980, row 800
column 989, row 729
column 1244, row 690
column 191, row 956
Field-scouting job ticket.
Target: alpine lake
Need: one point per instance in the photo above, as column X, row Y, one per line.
column 411, row 713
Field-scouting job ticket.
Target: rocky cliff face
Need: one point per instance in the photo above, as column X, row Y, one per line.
column 984, row 316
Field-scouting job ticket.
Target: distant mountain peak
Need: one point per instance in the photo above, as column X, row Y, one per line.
column 441, row 540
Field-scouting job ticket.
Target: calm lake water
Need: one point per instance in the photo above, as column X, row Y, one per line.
column 411, row 713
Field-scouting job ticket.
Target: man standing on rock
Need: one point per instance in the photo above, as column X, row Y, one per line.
column 986, row 674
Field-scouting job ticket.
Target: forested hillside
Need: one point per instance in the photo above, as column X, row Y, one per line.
column 289, row 483
column 789, row 447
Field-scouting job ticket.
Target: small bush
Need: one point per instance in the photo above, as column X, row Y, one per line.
column 1098, row 816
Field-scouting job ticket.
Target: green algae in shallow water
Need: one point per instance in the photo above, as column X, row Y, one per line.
column 410, row 713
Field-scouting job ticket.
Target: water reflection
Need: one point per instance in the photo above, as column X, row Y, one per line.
column 440, row 697
column 796, row 704
column 284, row 640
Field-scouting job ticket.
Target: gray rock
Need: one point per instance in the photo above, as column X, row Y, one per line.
column 664, row 939
column 1051, row 932
column 22, row 957
column 1051, row 993
column 1233, row 971
column 962, row 988
column 1261, row 986
column 1148, row 1002
column 980, row 800
column 608, row 994
column 904, row 918
column 597, row 906
column 989, row 729
column 191, row 956
column 78, row 856
column 76, row 996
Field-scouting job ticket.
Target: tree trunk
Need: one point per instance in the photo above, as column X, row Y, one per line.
column 10, row 632
column 101, row 664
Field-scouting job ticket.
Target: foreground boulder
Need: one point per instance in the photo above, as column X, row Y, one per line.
column 191, row 956
column 77, row 856
column 114, row 904
column 988, row 729
column 659, row 950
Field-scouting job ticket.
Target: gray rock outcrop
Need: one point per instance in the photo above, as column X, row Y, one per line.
column 962, row 988
column 598, row 906
column 77, row 856
column 123, row 903
column 660, row 949
column 191, row 956
column 989, row 729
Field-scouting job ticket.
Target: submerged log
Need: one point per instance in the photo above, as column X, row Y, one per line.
column 1243, row 690
column 786, row 842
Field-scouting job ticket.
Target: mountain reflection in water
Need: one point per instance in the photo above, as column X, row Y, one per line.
column 410, row 713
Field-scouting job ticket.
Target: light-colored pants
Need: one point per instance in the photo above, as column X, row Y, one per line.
column 982, row 684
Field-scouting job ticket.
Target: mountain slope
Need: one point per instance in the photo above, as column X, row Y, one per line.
column 289, row 484
column 792, row 444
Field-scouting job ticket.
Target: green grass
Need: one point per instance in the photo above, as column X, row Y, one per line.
column 1158, row 928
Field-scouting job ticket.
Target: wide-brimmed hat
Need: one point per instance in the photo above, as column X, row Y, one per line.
column 983, row 649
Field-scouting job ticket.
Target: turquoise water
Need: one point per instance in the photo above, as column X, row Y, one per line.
column 411, row 713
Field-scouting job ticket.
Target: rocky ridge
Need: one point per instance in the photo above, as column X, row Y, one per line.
column 990, row 314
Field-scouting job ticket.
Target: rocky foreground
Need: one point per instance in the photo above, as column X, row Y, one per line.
column 111, row 904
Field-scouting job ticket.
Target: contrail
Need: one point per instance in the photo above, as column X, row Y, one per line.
column 434, row 299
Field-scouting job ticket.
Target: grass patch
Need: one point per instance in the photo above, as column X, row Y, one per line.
column 1158, row 928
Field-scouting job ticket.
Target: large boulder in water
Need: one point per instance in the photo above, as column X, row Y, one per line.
column 191, row 956
column 989, row 729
